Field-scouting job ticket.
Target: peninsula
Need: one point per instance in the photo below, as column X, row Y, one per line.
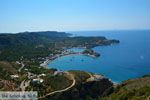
column 90, row 52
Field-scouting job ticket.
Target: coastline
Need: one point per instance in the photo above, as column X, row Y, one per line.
column 63, row 54
column 49, row 60
column 68, row 53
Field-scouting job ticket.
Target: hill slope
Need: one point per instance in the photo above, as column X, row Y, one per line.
column 133, row 89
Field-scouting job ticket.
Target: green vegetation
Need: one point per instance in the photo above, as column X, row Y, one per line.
column 91, row 53
column 21, row 55
column 134, row 89
column 83, row 91
column 147, row 75
column 6, row 82
column 7, row 69
column 138, row 94
column 50, row 84
column 27, row 38
column 83, row 42
column 34, row 46
column 80, row 76
column 28, row 45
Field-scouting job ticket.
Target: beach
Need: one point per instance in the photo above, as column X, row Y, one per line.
column 50, row 59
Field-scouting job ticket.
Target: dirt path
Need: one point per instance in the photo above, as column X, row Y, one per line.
column 58, row 91
column 89, row 74
column 25, row 83
column 21, row 67
column 22, row 85
column 91, row 77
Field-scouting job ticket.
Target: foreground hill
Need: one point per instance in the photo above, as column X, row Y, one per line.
column 133, row 89
column 103, row 89
column 71, row 85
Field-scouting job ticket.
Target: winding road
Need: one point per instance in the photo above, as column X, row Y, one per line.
column 58, row 91
column 21, row 67
column 91, row 78
column 25, row 83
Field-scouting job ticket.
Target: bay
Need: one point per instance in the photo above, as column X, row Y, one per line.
column 128, row 59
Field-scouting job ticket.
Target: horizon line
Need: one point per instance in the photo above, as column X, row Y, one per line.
column 78, row 30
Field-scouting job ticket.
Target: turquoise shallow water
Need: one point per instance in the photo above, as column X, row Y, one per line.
column 128, row 59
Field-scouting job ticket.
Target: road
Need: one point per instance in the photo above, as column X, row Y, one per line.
column 21, row 67
column 91, row 78
column 22, row 85
column 25, row 83
column 63, row 90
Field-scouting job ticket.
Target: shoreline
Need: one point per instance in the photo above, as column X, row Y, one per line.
column 48, row 61
column 57, row 56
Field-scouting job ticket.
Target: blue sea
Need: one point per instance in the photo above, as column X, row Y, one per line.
column 128, row 59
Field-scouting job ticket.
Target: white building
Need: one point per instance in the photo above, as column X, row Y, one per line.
column 38, row 80
column 42, row 74
column 14, row 76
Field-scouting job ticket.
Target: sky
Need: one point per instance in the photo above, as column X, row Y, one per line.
column 73, row 15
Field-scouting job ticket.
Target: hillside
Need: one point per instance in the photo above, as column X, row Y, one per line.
column 133, row 89
column 9, row 39
column 103, row 89
column 86, row 87
column 28, row 45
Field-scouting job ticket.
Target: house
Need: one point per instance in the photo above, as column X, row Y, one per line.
column 38, row 80
column 17, row 62
column 42, row 74
column 26, row 69
column 14, row 76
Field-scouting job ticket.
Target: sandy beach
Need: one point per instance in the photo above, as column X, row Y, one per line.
column 48, row 61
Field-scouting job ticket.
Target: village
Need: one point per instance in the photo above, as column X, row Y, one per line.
column 53, row 57
column 39, row 78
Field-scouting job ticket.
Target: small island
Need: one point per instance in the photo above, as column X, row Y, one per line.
column 90, row 52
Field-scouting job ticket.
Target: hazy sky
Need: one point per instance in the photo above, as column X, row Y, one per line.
column 66, row 15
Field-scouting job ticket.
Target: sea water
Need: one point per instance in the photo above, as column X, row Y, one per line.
column 128, row 59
